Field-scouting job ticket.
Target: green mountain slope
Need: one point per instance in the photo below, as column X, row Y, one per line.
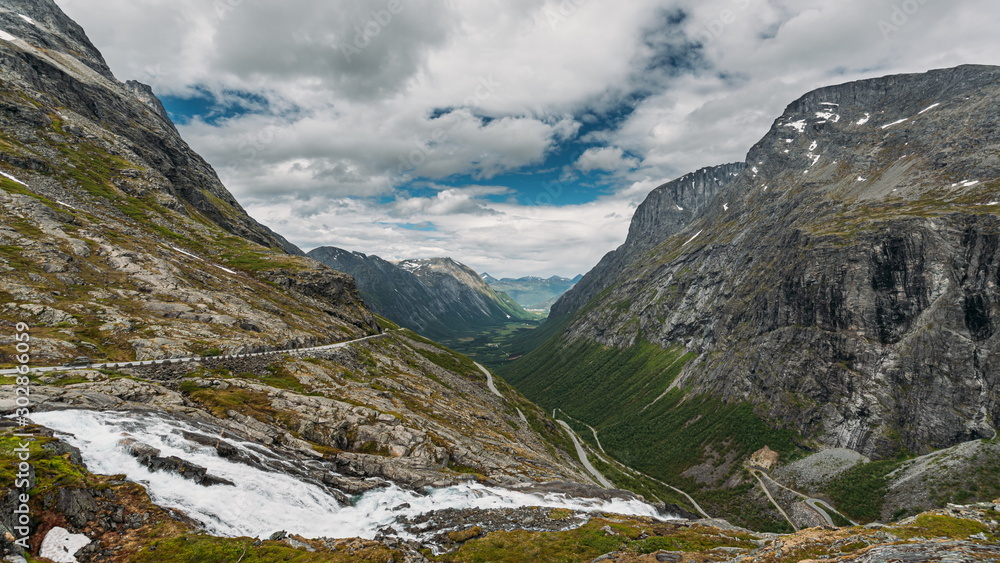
column 838, row 290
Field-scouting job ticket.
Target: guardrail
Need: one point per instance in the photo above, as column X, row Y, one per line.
column 168, row 361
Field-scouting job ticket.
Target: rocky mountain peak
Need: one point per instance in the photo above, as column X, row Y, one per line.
column 844, row 283
column 42, row 23
column 894, row 117
column 664, row 213
column 437, row 297
column 145, row 95
column 670, row 207
column 47, row 58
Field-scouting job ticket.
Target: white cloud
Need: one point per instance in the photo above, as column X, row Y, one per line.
column 489, row 86
column 488, row 236
column 763, row 54
column 605, row 159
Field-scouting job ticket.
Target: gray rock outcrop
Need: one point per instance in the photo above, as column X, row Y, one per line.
column 846, row 281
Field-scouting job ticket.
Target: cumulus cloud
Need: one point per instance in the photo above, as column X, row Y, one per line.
column 605, row 159
column 760, row 55
column 360, row 99
column 489, row 236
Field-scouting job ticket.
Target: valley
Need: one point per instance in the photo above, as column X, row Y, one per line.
column 791, row 358
column 737, row 317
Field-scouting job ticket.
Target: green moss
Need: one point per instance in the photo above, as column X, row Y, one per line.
column 585, row 543
column 560, row 514
column 13, row 187
column 51, row 471
column 940, row 526
column 279, row 377
column 465, row 469
column 246, row 255
column 198, row 548
column 250, row 403
column 860, row 491
column 460, row 536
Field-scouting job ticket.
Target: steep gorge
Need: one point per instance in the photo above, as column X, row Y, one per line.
column 842, row 288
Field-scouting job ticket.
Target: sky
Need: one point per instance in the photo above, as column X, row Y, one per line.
column 516, row 136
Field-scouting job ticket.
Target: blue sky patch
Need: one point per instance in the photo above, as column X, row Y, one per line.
column 205, row 105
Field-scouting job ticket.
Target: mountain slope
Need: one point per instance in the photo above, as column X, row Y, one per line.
column 533, row 292
column 842, row 289
column 437, row 297
column 667, row 210
column 112, row 224
column 117, row 242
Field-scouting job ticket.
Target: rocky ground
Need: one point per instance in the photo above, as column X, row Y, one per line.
column 121, row 524
column 385, row 408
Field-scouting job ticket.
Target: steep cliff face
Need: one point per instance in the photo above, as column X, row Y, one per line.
column 437, row 297
column 667, row 210
column 845, row 283
column 53, row 74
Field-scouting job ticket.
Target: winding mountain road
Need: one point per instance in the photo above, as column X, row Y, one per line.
column 820, row 506
column 582, row 454
column 592, row 429
column 767, row 492
column 112, row 365
column 489, row 380
column 628, row 469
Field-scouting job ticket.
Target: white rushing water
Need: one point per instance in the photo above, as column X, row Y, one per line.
column 262, row 502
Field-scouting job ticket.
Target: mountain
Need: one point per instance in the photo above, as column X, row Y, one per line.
column 119, row 243
column 531, row 292
column 837, row 290
column 437, row 297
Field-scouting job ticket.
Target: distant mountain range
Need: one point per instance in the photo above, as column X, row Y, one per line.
column 532, row 292
column 437, row 297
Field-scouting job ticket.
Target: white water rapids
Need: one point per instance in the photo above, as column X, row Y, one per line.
column 262, row 502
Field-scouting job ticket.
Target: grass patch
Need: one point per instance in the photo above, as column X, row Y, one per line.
column 385, row 323
column 250, row 403
column 445, row 357
column 51, row 471
column 585, row 543
column 940, row 526
column 860, row 491
column 199, row 548
column 279, row 377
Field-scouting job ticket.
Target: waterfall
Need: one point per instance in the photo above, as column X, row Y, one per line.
column 261, row 502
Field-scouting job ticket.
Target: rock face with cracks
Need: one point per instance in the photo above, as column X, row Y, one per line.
column 844, row 280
